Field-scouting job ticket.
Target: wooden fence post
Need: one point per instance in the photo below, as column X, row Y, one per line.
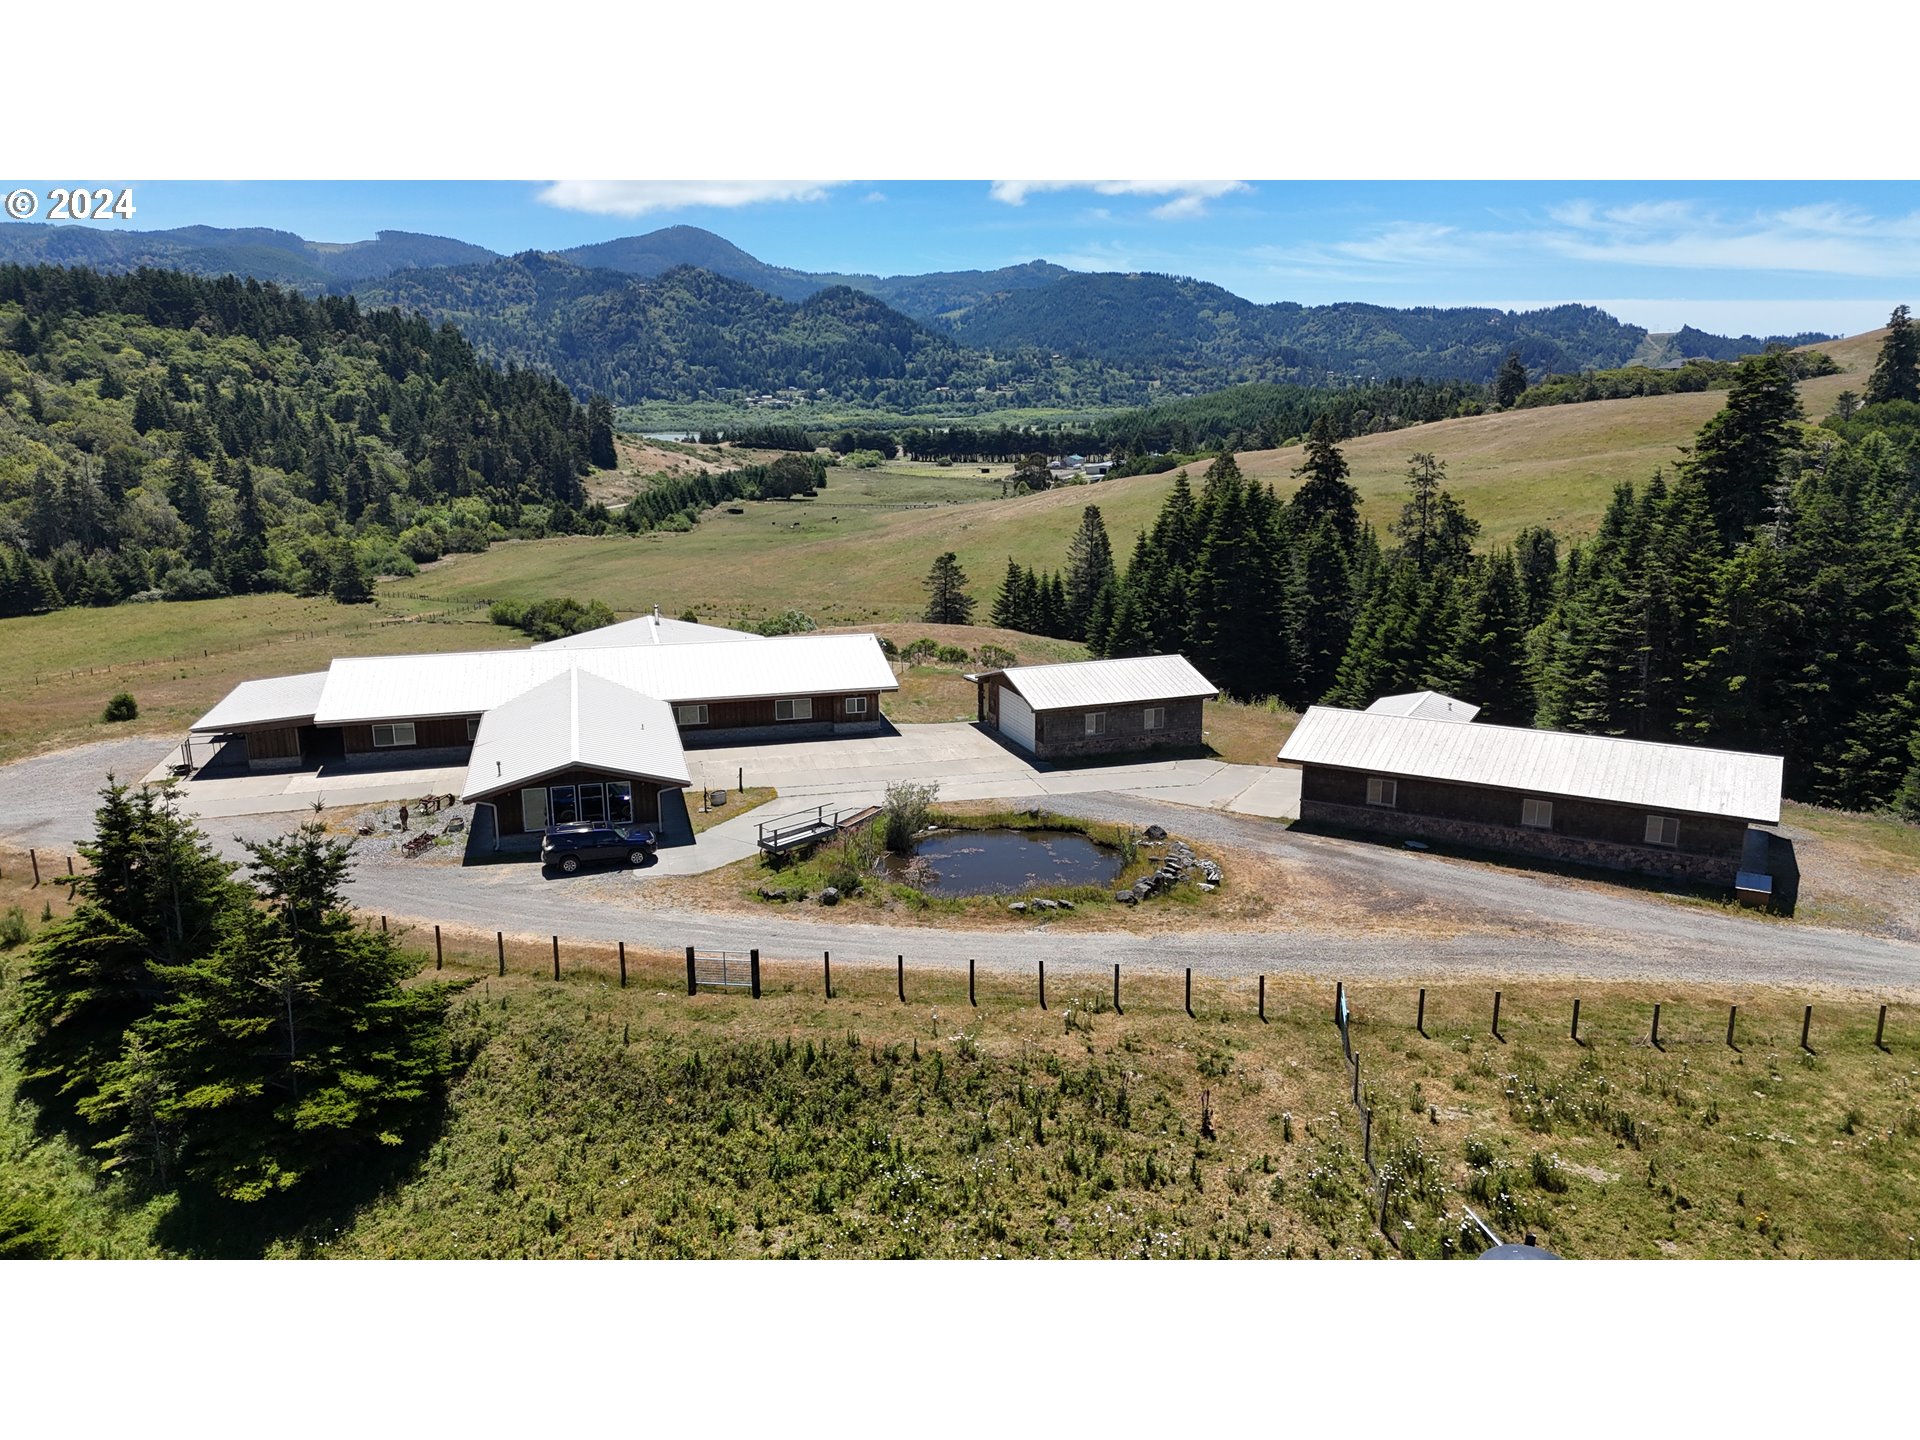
column 34, row 856
column 1366, row 1134
column 1420, row 1016
column 1116, row 990
column 1189, row 992
column 1043, row 984
column 1806, row 1024
column 439, row 956
column 500, row 944
column 826, row 969
column 623, row 964
column 383, row 924
column 69, row 864
column 1733, row 1013
column 556, row 957
column 970, row 1000
column 900, row 976
column 1356, row 1077
column 1880, row 1031
column 1655, row 1036
column 1575, row 1032
column 691, row 986
column 1263, row 999
column 753, row 971
column 1496, row 1019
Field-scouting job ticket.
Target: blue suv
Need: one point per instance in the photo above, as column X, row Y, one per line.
column 568, row 847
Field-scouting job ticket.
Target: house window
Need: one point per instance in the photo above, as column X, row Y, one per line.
column 856, row 705
column 1382, row 792
column 593, row 804
column 398, row 733
column 1536, row 814
column 1156, row 717
column 563, row 806
column 620, row 802
column 801, row 709
column 1096, row 722
column 473, row 727
column 690, row 714
column 533, row 809
column 1663, row 830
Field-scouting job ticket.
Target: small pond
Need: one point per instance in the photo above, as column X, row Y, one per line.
column 1002, row 862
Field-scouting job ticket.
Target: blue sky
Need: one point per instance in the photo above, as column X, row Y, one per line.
column 1726, row 256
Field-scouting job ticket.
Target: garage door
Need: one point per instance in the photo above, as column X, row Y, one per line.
column 1016, row 719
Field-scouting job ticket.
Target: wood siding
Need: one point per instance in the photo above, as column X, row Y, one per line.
column 1588, row 831
column 440, row 732
column 506, row 803
column 759, row 712
column 282, row 743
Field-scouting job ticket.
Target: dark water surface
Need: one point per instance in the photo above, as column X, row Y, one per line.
column 995, row 862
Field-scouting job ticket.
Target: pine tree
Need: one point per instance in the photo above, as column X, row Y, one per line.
column 1434, row 529
column 1896, row 374
column 1536, row 559
column 1738, row 454
column 1511, row 383
column 188, row 492
column 1089, row 570
column 1009, row 611
column 1322, row 609
column 151, row 899
column 1488, row 664
column 1324, row 492
column 947, row 600
column 600, row 450
column 292, row 1044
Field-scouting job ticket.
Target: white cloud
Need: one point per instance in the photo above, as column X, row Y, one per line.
column 639, row 197
column 1188, row 197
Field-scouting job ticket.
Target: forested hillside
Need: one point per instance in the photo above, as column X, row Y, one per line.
column 692, row 334
column 310, row 266
column 167, row 435
column 1764, row 595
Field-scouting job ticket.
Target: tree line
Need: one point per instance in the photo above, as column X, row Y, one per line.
column 1764, row 595
column 168, row 435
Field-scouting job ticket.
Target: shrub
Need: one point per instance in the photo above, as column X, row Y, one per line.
column 951, row 655
column 993, row 657
column 917, row 652
column 906, row 812
column 13, row 928
column 846, row 862
column 121, row 707
column 788, row 622
column 193, row 585
column 550, row 619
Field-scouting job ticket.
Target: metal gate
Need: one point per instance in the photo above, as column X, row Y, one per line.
column 722, row 969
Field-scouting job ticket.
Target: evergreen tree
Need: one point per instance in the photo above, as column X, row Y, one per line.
column 151, row 899
column 948, row 602
column 1089, row 570
column 1434, row 529
column 1738, row 455
column 1324, row 492
column 1739, row 687
column 1488, row 664
column 1536, row 559
column 1511, row 383
column 1896, row 374
column 291, row 1045
column 600, row 449
column 1322, row 609
column 1009, row 609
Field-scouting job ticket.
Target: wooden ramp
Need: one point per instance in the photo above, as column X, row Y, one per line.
column 810, row 827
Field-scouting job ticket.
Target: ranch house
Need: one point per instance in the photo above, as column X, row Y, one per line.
column 591, row 728
column 1095, row 707
column 1677, row 811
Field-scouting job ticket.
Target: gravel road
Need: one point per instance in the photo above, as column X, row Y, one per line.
column 1516, row 923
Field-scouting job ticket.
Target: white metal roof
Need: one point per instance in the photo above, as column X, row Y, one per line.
column 574, row 718
column 284, row 698
column 1682, row 778
column 398, row 687
column 652, row 629
column 1142, row 678
column 1424, row 705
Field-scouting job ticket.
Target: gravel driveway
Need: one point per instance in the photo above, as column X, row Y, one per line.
column 1519, row 923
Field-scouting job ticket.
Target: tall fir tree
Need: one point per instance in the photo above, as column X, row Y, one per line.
column 1739, row 454
column 1896, row 373
column 1325, row 493
column 948, row 602
column 1488, row 663
column 1089, row 570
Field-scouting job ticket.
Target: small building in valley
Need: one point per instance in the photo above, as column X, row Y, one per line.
column 1677, row 811
column 1095, row 707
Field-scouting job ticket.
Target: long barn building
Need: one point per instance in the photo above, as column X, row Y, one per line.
column 1417, row 766
column 592, row 728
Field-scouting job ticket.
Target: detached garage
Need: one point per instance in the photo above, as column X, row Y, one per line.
column 1096, row 707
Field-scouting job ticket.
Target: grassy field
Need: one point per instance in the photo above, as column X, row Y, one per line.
column 592, row 1121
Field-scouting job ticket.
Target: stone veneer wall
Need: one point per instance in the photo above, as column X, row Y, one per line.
column 1126, row 730
column 1645, row 860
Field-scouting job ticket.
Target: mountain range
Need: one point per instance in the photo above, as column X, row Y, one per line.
column 681, row 314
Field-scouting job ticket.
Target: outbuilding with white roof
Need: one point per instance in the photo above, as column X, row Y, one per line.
column 1096, row 707
column 1681, row 811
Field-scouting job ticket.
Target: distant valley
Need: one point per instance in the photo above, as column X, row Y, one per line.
column 682, row 315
